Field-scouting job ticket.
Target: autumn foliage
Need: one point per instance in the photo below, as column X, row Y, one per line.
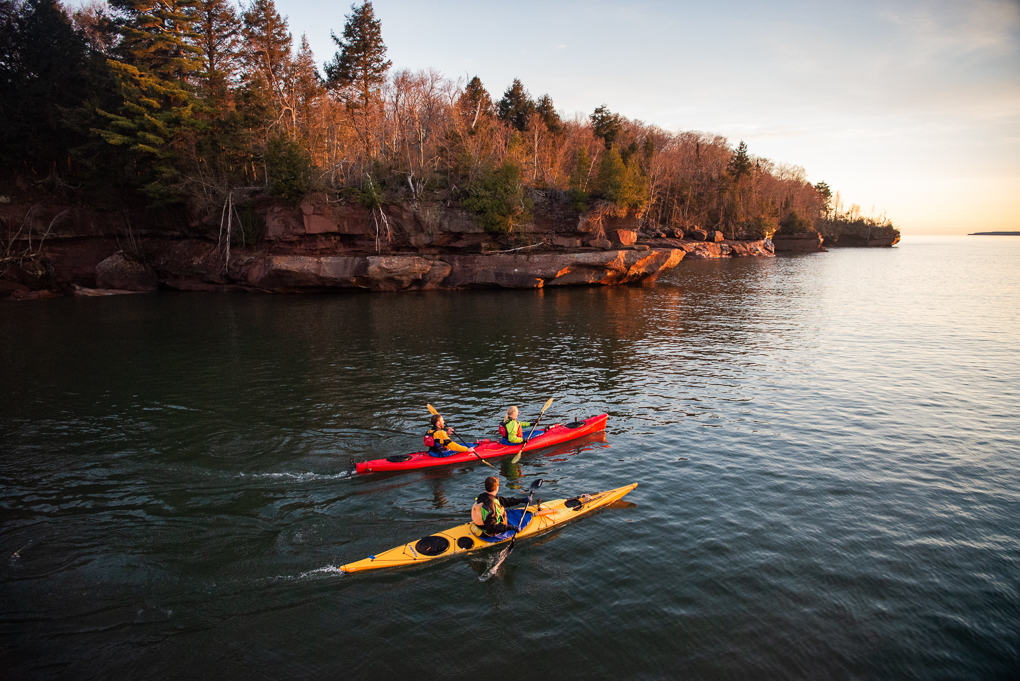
column 188, row 101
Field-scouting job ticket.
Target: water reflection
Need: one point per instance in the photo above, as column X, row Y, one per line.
column 174, row 475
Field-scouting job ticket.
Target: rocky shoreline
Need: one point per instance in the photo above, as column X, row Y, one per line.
column 323, row 246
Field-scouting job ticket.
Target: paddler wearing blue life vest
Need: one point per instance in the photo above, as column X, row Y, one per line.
column 439, row 442
column 512, row 430
column 489, row 511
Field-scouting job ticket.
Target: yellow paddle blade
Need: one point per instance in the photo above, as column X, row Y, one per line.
column 432, row 410
column 547, row 405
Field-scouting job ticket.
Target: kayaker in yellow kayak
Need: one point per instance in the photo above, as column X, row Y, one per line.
column 489, row 511
column 438, row 440
column 512, row 430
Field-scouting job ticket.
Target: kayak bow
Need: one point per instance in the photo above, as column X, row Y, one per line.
column 460, row 539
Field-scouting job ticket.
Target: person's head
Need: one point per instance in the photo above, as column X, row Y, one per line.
column 437, row 421
column 511, row 413
column 492, row 484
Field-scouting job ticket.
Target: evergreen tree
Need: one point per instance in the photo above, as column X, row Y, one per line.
column 475, row 102
column 516, row 107
column 740, row 163
column 153, row 62
column 360, row 65
column 606, row 124
column 307, row 84
column 648, row 149
column 825, row 194
column 218, row 30
column 46, row 69
column 266, row 62
column 622, row 183
column 547, row 111
column 611, row 177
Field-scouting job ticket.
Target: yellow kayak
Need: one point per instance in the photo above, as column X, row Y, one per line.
column 461, row 539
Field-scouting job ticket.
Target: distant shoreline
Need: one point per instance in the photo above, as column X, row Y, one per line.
column 994, row 234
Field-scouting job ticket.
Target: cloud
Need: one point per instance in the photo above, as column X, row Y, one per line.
column 942, row 29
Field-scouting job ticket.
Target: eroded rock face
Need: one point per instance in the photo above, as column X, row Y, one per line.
column 400, row 272
column 121, row 273
column 807, row 242
column 702, row 250
column 624, row 237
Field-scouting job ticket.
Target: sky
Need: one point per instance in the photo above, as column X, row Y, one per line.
column 911, row 109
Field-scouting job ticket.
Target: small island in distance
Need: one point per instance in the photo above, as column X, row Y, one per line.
column 994, row 234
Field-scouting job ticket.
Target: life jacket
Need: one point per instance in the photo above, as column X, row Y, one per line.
column 479, row 514
column 435, row 444
column 502, row 429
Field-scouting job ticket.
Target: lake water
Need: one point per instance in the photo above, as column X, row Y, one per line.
column 827, row 449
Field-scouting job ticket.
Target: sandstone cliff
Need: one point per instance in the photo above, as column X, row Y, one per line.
column 325, row 245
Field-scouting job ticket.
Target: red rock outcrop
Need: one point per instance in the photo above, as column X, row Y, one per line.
column 400, row 272
column 126, row 274
column 323, row 245
column 805, row 242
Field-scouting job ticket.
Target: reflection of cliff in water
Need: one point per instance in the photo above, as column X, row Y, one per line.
column 372, row 361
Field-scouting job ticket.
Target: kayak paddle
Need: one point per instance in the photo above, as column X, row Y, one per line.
column 518, row 457
column 510, row 547
column 434, row 412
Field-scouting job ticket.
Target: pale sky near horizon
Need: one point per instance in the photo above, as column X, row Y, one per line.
column 905, row 107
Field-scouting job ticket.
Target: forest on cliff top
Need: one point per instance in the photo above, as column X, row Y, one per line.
column 178, row 104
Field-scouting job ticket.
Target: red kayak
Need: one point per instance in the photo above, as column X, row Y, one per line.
column 487, row 449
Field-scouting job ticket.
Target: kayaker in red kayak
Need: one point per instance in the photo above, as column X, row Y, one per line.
column 512, row 430
column 438, row 440
column 489, row 512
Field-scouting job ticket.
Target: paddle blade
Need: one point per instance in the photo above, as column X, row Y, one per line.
column 432, row 410
column 516, row 458
column 547, row 404
column 537, row 483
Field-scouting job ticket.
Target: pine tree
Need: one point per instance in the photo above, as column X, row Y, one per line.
column 218, row 30
column 825, row 194
column 266, row 62
column 622, row 183
column 611, row 177
column 360, row 66
column 606, row 124
column 307, row 84
column 547, row 111
column 152, row 65
column 516, row 107
column 46, row 68
column 475, row 102
column 740, row 163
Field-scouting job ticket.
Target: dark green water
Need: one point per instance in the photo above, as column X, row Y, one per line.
column 826, row 447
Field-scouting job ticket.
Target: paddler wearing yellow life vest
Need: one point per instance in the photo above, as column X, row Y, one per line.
column 439, row 442
column 513, row 430
column 488, row 515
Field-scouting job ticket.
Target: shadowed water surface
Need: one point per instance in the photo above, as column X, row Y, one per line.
column 826, row 447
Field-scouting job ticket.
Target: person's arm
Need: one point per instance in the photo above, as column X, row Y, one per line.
column 445, row 440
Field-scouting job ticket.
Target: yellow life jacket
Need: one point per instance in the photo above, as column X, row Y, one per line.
column 479, row 514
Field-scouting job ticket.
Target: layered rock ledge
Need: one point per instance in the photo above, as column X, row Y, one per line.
column 323, row 246
column 288, row 273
